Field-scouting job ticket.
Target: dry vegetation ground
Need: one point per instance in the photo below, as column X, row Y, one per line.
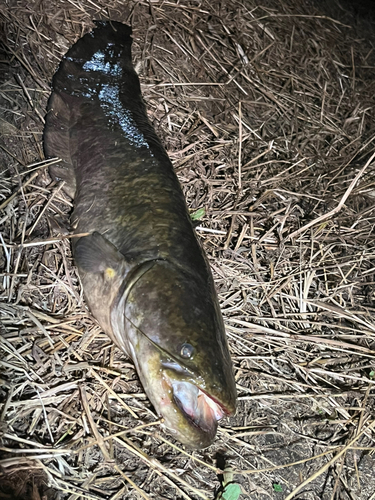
column 267, row 111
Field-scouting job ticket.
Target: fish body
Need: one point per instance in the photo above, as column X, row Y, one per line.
column 144, row 274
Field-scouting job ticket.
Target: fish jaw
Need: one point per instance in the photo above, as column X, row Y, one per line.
column 188, row 413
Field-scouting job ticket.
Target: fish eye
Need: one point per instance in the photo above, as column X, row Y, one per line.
column 187, row 351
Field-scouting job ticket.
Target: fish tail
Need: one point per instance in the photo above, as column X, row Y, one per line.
column 82, row 69
column 91, row 59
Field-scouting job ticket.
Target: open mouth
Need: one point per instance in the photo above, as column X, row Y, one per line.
column 201, row 410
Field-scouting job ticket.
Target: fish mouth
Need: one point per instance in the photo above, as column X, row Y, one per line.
column 200, row 412
column 198, row 407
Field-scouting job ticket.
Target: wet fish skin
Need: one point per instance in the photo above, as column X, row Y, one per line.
column 144, row 274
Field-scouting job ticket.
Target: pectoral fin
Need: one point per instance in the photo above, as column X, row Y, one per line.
column 95, row 254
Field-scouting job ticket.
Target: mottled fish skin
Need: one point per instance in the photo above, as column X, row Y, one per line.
column 144, row 274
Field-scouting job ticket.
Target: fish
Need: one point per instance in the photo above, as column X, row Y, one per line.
column 145, row 276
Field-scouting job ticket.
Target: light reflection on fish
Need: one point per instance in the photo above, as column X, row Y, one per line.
column 144, row 274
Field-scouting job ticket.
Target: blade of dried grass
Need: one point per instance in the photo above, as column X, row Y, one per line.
column 54, row 194
column 334, row 211
column 158, row 467
column 98, row 436
column 11, row 198
column 112, row 392
column 127, row 479
column 277, row 467
column 184, row 452
column 330, row 463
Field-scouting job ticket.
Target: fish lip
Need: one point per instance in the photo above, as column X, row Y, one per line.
column 226, row 412
column 181, row 370
column 211, row 426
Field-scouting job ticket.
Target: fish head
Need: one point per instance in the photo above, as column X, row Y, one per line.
column 171, row 323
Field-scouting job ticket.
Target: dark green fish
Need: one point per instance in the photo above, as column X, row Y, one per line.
column 144, row 274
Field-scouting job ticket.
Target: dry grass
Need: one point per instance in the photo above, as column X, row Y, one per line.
column 267, row 112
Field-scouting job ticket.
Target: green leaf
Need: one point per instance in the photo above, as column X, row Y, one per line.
column 372, row 374
column 198, row 214
column 277, row 487
column 231, row 492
